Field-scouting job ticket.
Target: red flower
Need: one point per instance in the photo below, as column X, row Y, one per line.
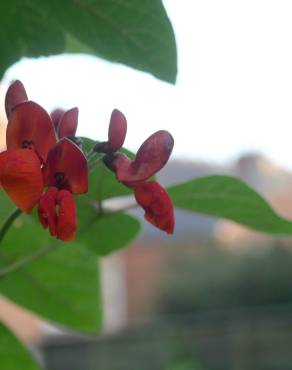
column 65, row 122
column 30, row 127
column 65, row 173
column 116, row 134
column 157, row 204
column 29, row 137
column 15, row 94
column 151, row 157
column 66, row 168
column 21, row 177
column 34, row 160
column 56, row 116
column 57, row 210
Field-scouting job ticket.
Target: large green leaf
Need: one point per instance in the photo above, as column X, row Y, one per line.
column 229, row 197
column 13, row 355
column 27, row 28
column 133, row 32
column 105, row 233
column 62, row 286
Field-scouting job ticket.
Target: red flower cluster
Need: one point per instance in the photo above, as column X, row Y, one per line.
column 44, row 166
column 41, row 165
column 150, row 158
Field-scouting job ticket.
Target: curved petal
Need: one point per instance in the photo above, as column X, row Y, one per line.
column 15, row 94
column 117, row 131
column 67, row 220
column 56, row 116
column 157, row 204
column 117, row 162
column 66, row 167
column 47, row 210
column 68, row 123
column 21, row 177
column 151, row 157
column 29, row 125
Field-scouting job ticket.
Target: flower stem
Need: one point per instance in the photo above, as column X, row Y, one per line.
column 8, row 222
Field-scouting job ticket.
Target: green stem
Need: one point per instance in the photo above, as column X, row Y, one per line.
column 8, row 222
column 21, row 263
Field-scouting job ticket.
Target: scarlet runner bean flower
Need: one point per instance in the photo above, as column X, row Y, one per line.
column 150, row 158
column 34, row 160
column 65, row 173
column 29, row 137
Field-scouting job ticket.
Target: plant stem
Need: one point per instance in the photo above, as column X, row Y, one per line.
column 21, row 263
column 8, row 222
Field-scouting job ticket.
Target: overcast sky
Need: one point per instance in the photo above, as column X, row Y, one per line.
column 233, row 93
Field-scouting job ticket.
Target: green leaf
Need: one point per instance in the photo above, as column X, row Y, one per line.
column 62, row 286
column 132, row 32
column 27, row 28
column 106, row 233
column 230, row 198
column 13, row 355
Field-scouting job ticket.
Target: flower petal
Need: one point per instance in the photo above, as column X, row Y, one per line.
column 30, row 125
column 67, row 220
column 21, row 177
column 47, row 210
column 68, row 123
column 15, row 94
column 157, row 204
column 151, row 157
column 117, row 131
column 56, row 116
column 66, row 167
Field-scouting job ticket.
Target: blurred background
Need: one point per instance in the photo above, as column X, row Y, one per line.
column 215, row 296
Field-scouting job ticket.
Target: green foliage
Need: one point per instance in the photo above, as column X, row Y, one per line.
column 62, row 286
column 132, row 32
column 107, row 232
column 13, row 355
column 230, row 198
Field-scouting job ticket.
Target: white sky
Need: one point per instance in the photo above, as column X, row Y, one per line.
column 233, row 93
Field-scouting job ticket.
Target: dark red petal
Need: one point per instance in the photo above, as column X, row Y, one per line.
column 157, row 204
column 117, row 130
column 67, row 159
column 15, row 94
column 67, row 220
column 68, row 123
column 30, row 123
column 56, row 116
column 21, row 177
column 118, row 162
column 151, row 157
column 47, row 210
